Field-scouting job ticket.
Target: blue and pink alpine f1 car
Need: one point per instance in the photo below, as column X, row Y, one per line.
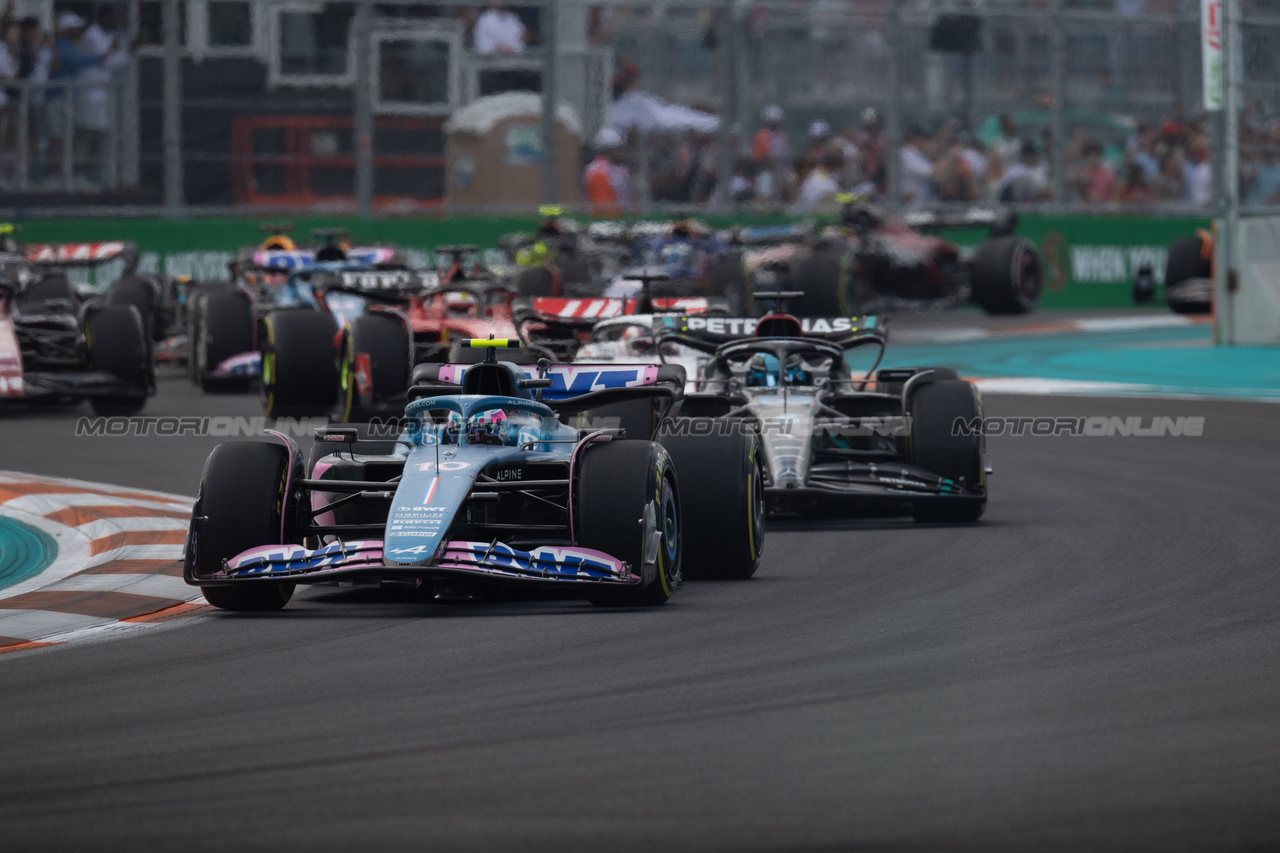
column 545, row 476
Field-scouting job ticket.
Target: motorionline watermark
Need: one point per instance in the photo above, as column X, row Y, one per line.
column 1095, row 426
column 222, row 426
column 834, row 427
column 217, row 426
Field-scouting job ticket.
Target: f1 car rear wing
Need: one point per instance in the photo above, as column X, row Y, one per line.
column 715, row 330
column 289, row 260
column 1000, row 220
column 374, row 283
column 568, row 381
column 82, row 254
column 771, row 235
column 587, row 312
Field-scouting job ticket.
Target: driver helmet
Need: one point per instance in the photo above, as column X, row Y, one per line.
column 763, row 371
column 637, row 340
column 486, row 427
column 278, row 242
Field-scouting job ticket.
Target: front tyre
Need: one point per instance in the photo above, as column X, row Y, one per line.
column 376, row 363
column 299, row 364
column 937, row 446
column 225, row 330
column 722, row 486
column 1007, row 276
column 116, row 344
column 626, row 503
column 240, row 505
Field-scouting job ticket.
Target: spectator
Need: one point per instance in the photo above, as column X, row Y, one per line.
column 917, row 170
column 1008, row 145
column 743, row 186
column 1200, row 186
column 871, row 144
column 1094, row 180
column 771, row 155
column 819, row 136
column 93, row 102
column 499, row 30
column 1171, row 183
column 1135, row 189
column 606, row 181
column 1265, row 187
column 1026, row 180
column 68, row 61
column 822, row 184
column 35, row 61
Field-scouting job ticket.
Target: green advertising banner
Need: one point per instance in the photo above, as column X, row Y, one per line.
column 1090, row 261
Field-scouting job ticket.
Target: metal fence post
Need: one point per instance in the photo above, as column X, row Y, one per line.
column 24, row 138
column 173, row 191
column 729, row 100
column 550, row 97
column 895, row 105
column 363, row 119
column 1232, row 67
column 1058, row 81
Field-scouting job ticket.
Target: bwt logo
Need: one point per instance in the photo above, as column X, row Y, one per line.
column 1094, row 427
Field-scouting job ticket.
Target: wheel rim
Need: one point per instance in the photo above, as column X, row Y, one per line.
column 670, row 525
column 1026, row 270
column 755, row 498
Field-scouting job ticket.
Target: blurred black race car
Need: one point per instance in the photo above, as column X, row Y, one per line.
column 66, row 342
column 871, row 262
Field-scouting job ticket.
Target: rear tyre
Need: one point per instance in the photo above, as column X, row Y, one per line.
column 116, row 345
column 376, row 352
column 722, row 488
column 625, row 491
column 242, row 496
column 225, row 330
column 299, row 364
column 1189, row 258
column 934, row 408
column 1007, row 276
column 727, row 279
column 821, row 277
column 142, row 294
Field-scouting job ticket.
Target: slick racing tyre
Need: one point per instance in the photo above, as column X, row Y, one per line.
column 143, row 294
column 1007, row 276
column 936, row 446
column 722, row 492
column 727, row 279
column 225, row 329
column 240, row 505
column 115, row 342
column 1190, row 258
column 299, row 364
column 626, row 490
column 376, row 362
column 196, row 294
column 821, row 278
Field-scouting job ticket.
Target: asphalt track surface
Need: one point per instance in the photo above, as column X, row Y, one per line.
column 1094, row 666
